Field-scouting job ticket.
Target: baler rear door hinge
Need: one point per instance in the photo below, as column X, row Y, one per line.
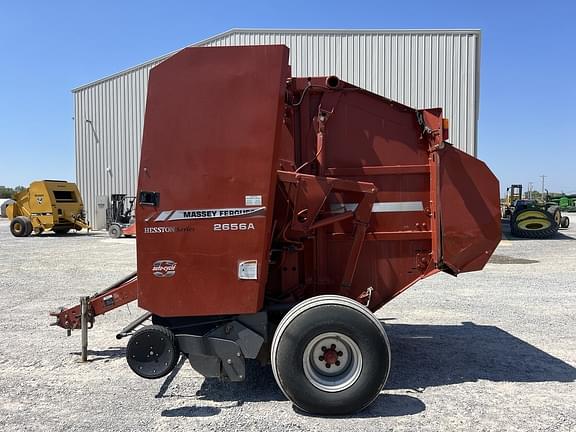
column 431, row 135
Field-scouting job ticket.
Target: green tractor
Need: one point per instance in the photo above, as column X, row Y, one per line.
column 567, row 203
column 531, row 218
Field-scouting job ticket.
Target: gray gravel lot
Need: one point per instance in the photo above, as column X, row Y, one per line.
column 493, row 350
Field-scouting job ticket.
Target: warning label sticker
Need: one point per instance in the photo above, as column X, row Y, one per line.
column 248, row 270
column 253, row 200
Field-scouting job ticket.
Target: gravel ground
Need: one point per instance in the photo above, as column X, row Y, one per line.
column 493, row 350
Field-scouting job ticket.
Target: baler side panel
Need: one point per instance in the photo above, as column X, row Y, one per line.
column 211, row 140
column 374, row 140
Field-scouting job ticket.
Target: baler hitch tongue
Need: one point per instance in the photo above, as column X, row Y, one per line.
column 70, row 319
column 118, row 294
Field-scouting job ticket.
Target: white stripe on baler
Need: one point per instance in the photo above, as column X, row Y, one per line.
column 381, row 207
column 163, row 216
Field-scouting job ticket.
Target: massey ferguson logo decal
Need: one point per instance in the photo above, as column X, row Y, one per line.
column 171, row 215
column 164, row 268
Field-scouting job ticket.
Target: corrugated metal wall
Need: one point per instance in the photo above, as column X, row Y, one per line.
column 109, row 118
column 421, row 68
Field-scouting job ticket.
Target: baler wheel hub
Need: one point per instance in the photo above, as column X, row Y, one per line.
column 331, row 356
column 332, row 362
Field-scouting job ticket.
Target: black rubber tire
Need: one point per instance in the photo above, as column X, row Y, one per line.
column 565, row 222
column 516, row 231
column 318, row 316
column 29, row 226
column 556, row 215
column 20, row 226
column 60, row 231
column 115, row 231
column 164, row 346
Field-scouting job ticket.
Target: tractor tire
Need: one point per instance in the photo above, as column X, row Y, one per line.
column 330, row 356
column 21, row 226
column 555, row 212
column 533, row 224
column 565, row 222
column 115, row 231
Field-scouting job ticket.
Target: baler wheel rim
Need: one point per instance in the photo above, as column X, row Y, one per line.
column 336, row 375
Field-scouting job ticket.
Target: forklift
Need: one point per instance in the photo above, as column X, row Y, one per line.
column 120, row 219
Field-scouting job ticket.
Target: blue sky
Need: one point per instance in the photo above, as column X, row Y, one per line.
column 528, row 72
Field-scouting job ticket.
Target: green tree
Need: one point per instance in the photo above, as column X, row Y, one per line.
column 8, row 192
column 535, row 195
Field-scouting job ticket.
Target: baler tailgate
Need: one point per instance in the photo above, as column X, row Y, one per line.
column 470, row 211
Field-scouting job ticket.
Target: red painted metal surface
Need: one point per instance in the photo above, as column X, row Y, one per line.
column 276, row 188
column 130, row 230
column 211, row 138
column 468, row 232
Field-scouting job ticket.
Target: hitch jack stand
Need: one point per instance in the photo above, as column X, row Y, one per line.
column 84, row 327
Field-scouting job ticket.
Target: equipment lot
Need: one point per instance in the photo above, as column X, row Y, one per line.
column 493, row 350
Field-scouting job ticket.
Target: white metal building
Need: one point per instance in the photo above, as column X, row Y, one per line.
column 420, row 68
